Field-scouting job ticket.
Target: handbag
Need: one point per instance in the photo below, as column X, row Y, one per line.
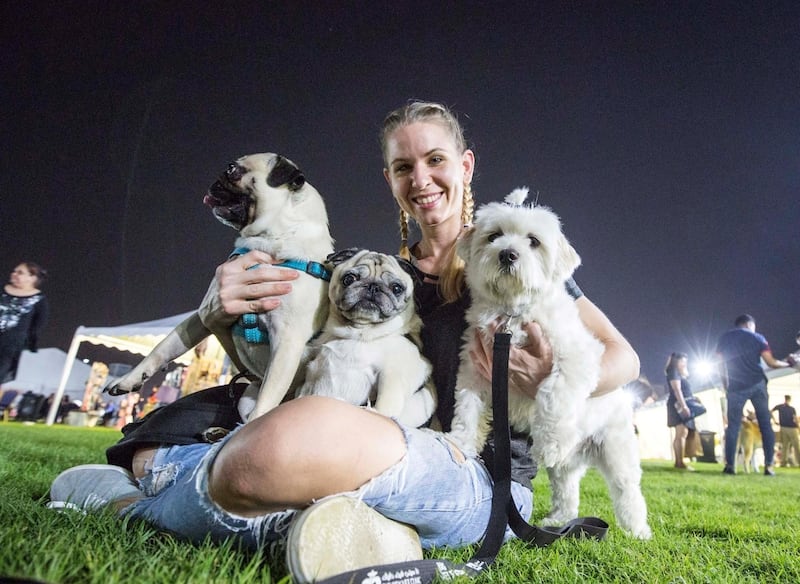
column 696, row 408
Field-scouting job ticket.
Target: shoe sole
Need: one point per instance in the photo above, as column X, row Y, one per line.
column 342, row 534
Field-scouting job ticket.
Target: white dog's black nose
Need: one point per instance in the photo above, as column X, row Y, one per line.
column 508, row 256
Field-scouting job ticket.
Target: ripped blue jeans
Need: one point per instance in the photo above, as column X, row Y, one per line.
column 447, row 500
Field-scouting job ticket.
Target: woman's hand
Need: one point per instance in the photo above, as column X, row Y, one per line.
column 248, row 283
column 528, row 366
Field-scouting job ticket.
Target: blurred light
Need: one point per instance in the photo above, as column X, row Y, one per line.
column 704, row 368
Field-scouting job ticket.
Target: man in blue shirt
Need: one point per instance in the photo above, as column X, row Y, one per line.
column 741, row 350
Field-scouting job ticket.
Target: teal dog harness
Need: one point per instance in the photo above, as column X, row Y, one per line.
column 249, row 325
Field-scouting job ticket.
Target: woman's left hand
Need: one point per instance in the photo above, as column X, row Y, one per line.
column 528, row 365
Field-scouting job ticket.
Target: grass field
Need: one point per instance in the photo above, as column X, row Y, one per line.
column 708, row 528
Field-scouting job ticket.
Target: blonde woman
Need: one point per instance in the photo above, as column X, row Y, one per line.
column 251, row 485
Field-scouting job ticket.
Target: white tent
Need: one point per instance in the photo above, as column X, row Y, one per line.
column 139, row 338
column 40, row 372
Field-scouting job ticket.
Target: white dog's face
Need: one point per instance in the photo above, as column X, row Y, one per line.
column 369, row 287
column 515, row 251
column 257, row 188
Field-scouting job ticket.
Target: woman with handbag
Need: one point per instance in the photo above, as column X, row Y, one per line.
column 679, row 415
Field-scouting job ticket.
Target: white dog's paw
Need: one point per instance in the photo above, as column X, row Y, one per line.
column 558, row 517
column 642, row 532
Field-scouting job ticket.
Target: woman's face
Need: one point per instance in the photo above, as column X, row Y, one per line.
column 427, row 173
column 683, row 367
column 22, row 278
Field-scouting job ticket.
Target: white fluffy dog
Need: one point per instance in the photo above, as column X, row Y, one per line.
column 517, row 263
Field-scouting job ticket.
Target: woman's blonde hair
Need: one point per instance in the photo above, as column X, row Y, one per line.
column 451, row 280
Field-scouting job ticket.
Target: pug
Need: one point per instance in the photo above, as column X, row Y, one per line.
column 266, row 198
column 369, row 349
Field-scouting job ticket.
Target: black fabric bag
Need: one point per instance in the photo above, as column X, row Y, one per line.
column 182, row 422
column 29, row 406
column 696, row 408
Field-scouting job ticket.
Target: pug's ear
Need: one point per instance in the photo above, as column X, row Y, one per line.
column 567, row 260
column 408, row 268
column 338, row 257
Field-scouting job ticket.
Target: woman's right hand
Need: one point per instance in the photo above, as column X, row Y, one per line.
column 248, row 283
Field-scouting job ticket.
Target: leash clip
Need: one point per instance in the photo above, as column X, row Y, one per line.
column 505, row 324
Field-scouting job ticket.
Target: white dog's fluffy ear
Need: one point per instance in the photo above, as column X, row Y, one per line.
column 567, row 260
column 517, row 196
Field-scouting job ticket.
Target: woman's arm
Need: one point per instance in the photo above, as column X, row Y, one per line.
column 620, row 363
column 41, row 313
column 675, row 387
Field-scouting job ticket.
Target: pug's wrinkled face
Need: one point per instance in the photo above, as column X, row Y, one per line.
column 370, row 287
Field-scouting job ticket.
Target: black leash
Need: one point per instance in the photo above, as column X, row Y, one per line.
column 504, row 512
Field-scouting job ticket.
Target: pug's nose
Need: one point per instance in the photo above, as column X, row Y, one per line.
column 508, row 257
column 373, row 289
column 234, row 172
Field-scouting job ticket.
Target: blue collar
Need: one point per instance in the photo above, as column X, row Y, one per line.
column 315, row 269
column 248, row 324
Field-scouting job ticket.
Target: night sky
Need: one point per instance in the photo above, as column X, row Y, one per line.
column 666, row 136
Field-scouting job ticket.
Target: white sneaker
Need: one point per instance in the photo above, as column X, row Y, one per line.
column 340, row 534
column 92, row 486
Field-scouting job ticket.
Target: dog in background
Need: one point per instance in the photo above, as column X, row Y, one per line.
column 266, row 198
column 369, row 349
column 517, row 263
column 748, row 441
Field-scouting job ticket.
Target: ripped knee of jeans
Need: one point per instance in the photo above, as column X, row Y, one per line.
column 458, row 456
column 159, row 478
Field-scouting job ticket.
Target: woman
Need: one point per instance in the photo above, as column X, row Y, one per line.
column 313, row 447
column 677, row 373
column 23, row 314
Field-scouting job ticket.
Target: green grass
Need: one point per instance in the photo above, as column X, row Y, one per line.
column 708, row 528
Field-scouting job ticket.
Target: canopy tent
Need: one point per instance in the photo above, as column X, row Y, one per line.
column 40, row 372
column 139, row 338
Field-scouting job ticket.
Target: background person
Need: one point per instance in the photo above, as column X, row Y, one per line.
column 23, row 315
column 788, row 435
column 741, row 350
column 310, row 448
column 685, row 443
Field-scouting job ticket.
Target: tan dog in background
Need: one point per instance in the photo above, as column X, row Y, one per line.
column 749, row 439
